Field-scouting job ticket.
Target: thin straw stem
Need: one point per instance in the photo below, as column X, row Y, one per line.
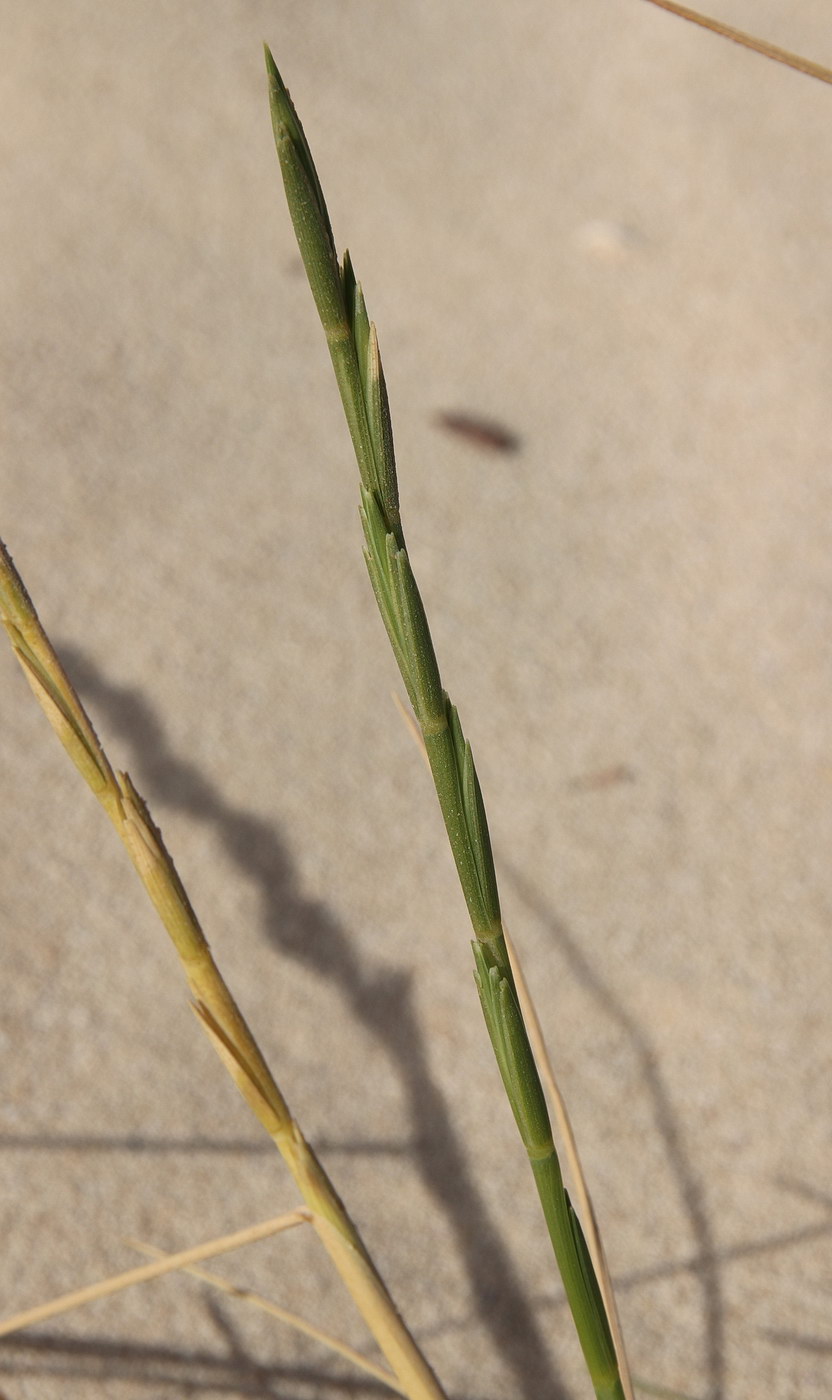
column 747, row 41
column 215, row 1007
column 105, row 1288
column 576, row 1169
column 291, row 1319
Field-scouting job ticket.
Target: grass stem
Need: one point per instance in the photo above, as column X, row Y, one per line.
column 214, row 1004
column 105, row 1288
column 299, row 1324
column 353, row 345
column 807, row 66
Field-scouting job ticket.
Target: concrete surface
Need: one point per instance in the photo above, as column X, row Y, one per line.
column 610, row 233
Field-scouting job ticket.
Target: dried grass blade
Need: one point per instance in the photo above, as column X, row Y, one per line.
column 748, row 41
column 291, row 1319
column 105, row 1288
column 573, row 1157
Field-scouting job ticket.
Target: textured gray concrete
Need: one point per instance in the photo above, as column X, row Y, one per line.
column 610, row 233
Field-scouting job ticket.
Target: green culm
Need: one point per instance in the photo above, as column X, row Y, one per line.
column 353, row 346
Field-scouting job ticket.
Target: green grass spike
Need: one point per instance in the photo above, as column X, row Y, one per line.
column 354, row 348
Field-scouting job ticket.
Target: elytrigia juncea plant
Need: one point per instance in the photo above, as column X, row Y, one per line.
column 354, row 348
column 353, row 345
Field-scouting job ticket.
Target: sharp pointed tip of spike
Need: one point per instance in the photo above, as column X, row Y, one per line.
column 271, row 66
column 278, row 91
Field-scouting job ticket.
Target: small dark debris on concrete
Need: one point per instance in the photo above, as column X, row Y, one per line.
column 604, row 778
column 480, row 432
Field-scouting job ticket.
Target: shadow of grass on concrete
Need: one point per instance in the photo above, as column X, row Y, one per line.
column 379, row 998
